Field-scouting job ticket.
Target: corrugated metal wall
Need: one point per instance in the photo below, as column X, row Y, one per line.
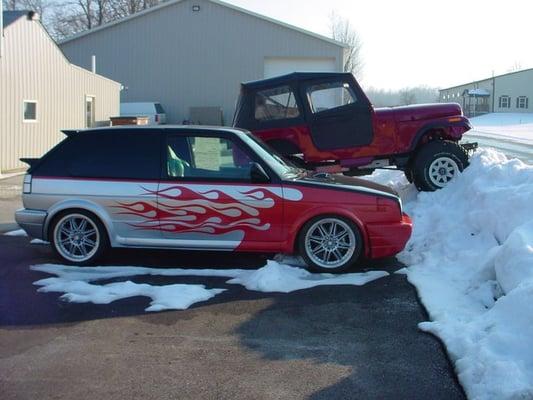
column 33, row 68
column 184, row 58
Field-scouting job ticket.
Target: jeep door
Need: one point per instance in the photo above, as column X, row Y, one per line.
column 339, row 114
column 208, row 200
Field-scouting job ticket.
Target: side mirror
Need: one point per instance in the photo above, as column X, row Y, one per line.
column 258, row 174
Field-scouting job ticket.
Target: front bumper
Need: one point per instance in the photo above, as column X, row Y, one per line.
column 386, row 240
column 32, row 221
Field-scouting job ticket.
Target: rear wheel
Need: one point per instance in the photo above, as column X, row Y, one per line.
column 330, row 244
column 437, row 163
column 78, row 237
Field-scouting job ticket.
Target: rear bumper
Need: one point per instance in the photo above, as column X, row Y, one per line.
column 32, row 221
column 389, row 239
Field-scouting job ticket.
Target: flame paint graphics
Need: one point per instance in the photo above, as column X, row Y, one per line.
column 205, row 211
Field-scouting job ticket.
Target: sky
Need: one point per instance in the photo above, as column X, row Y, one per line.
column 415, row 42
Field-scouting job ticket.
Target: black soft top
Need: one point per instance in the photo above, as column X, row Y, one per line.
column 291, row 78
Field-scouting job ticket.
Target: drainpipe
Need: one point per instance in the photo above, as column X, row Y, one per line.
column 1, row 29
column 93, row 64
column 493, row 90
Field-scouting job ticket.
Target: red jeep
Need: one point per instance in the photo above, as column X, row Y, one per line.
column 324, row 121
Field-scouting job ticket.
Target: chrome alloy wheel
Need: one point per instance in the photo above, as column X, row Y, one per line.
column 330, row 242
column 76, row 237
column 443, row 170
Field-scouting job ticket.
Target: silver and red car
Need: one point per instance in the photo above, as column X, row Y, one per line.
column 202, row 188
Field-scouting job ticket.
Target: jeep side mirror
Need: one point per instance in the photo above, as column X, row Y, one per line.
column 258, row 174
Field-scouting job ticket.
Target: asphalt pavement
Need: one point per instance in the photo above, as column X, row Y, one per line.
column 336, row 342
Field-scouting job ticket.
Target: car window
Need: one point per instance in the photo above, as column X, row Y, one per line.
column 126, row 155
column 277, row 103
column 201, row 157
column 159, row 108
column 326, row 96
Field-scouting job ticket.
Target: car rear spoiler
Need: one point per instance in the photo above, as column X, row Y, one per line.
column 70, row 132
column 30, row 161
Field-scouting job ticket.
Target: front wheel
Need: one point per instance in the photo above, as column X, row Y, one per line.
column 78, row 237
column 330, row 244
column 437, row 163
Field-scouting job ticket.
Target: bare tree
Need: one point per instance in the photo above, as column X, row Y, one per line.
column 39, row 6
column 341, row 30
column 517, row 66
column 407, row 96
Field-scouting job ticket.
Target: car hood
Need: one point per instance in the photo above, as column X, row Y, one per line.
column 423, row 111
column 341, row 182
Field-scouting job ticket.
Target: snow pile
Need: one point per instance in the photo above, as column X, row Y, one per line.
column 276, row 277
column 78, row 284
column 510, row 126
column 471, row 260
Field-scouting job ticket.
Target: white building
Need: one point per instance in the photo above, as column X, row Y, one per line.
column 195, row 53
column 41, row 92
column 511, row 92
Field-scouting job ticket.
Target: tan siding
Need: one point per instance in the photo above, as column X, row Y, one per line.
column 184, row 58
column 33, row 68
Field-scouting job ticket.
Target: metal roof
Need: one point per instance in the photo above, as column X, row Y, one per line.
column 487, row 79
column 221, row 3
column 292, row 77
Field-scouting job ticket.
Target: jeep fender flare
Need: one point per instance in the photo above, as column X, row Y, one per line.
column 425, row 131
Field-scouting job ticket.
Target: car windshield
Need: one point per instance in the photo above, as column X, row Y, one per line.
column 274, row 160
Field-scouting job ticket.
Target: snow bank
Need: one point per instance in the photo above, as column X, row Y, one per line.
column 471, row 260
column 78, row 284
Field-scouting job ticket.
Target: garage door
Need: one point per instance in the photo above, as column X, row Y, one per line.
column 275, row 66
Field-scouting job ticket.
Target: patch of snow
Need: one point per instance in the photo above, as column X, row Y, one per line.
column 18, row 232
column 516, row 127
column 78, row 283
column 276, row 277
column 38, row 241
column 471, row 259
column 401, row 271
column 396, row 180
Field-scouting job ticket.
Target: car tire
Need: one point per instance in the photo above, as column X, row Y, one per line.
column 78, row 237
column 437, row 163
column 344, row 244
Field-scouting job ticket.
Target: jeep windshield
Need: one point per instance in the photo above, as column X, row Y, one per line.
column 274, row 160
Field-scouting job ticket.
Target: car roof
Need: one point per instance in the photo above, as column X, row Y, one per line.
column 163, row 128
column 292, row 77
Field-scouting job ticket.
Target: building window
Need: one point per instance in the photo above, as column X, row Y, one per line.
column 522, row 102
column 505, row 102
column 29, row 111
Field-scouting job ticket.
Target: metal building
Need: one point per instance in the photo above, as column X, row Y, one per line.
column 41, row 92
column 511, row 92
column 187, row 54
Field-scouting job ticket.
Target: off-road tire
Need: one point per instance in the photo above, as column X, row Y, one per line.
column 449, row 153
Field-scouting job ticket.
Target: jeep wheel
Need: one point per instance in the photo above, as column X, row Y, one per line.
column 78, row 237
column 437, row 163
column 330, row 244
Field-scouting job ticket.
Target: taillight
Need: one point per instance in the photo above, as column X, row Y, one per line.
column 26, row 187
column 157, row 118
